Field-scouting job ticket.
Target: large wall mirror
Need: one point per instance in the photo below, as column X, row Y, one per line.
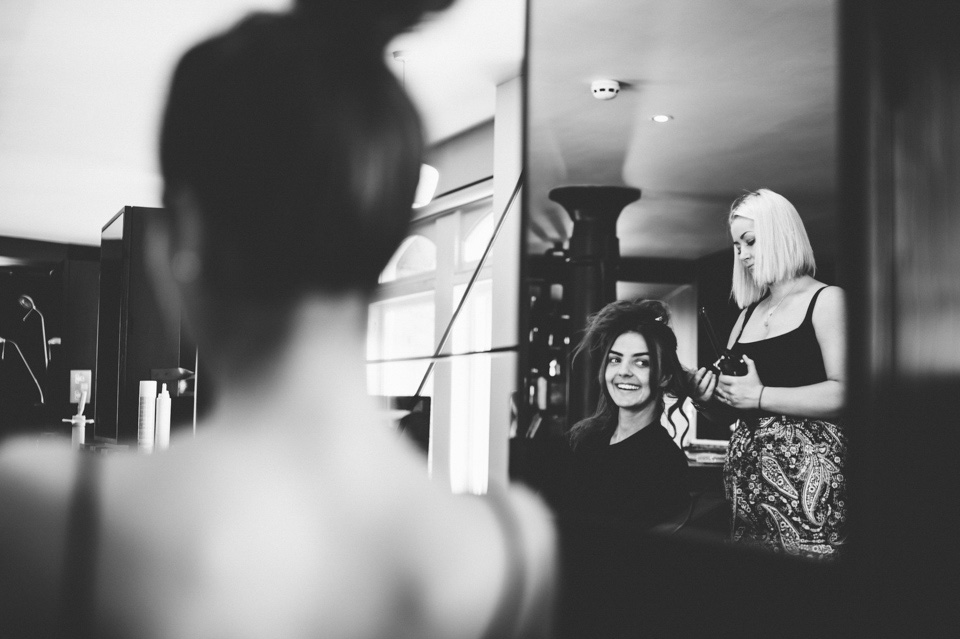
column 714, row 99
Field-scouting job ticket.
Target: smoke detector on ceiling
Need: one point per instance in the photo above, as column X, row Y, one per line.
column 605, row 89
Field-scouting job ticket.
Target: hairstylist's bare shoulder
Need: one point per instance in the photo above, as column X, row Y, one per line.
column 831, row 307
column 832, row 295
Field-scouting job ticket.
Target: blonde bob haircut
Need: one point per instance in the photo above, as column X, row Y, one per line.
column 782, row 248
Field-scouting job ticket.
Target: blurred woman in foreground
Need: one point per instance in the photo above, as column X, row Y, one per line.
column 290, row 157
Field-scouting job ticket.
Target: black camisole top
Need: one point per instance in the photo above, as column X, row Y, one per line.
column 789, row 360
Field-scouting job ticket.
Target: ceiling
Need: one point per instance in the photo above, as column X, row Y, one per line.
column 82, row 85
column 750, row 85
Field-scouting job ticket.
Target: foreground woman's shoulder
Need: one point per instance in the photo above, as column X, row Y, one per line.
column 36, row 483
column 538, row 533
column 29, row 464
column 490, row 562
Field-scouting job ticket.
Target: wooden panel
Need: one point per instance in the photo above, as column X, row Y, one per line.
column 900, row 90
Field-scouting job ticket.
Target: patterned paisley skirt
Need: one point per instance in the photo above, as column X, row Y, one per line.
column 785, row 478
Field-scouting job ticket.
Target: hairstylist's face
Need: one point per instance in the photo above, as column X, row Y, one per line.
column 627, row 371
column 744, row 240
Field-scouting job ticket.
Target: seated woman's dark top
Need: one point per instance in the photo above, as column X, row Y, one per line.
column 638, row 482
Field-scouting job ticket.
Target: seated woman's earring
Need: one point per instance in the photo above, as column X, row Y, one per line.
column 185, row 266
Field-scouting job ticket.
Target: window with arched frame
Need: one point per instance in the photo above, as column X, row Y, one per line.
column 476, row 241
column 420, row 288
column 417, row 254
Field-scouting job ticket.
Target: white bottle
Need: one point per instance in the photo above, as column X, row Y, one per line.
column 146, row 422
column 78, row 432
column 79, row 424
column 163, row 419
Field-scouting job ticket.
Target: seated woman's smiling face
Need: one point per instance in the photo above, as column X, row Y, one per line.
column 627, row 372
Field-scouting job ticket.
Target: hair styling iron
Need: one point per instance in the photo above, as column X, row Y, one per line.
column 727, row 363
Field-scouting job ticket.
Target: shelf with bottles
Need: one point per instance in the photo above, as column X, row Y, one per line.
column 549, row 351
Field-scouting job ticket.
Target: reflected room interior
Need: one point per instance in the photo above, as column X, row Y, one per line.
column 628, row 194
column 645, row 121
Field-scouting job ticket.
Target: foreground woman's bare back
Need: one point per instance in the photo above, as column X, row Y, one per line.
column 253, row 535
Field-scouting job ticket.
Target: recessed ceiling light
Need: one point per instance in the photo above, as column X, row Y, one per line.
column 662, row 118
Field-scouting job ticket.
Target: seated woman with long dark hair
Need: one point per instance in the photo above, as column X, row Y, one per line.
column 627, row 470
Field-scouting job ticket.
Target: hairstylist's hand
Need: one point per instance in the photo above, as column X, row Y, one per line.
column 704, row 383
column 740, row 391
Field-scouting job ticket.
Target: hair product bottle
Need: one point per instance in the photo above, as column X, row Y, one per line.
column 163, row 419
column 146, row 424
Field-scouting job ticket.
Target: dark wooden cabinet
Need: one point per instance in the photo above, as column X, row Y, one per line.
column 134, row 337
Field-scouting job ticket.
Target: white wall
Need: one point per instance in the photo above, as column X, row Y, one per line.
column 505, row 260
column 465, row 158
column 492, row 148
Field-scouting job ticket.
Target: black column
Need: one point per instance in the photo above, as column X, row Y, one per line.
column 593, row 257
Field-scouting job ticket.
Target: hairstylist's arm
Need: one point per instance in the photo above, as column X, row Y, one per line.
column 705, row 380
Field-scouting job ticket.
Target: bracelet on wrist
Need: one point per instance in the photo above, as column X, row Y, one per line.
column 760, row 398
